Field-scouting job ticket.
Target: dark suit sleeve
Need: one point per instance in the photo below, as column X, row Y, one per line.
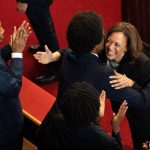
column 11, row 79
column 113, row 142
column 136, row 86
column 61, row 51
column 5, row 52
column 118, row 144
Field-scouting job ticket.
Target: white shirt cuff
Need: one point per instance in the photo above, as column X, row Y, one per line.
column 16, row 55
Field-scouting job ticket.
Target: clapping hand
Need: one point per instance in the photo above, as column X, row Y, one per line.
column 19, row 37
column 117, row 118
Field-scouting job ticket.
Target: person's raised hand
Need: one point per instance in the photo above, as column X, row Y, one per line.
column 19, row 37
column 117, row 118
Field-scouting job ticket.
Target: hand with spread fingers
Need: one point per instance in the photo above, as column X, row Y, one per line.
column 19, row 37
column 44, row 57
column 146, row 145
column 120, row 81
column 47, row 56
column 102, row 103
column 117, row 118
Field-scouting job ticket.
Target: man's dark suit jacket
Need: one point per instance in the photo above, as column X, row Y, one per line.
column 88, row 68
column 11, row 117
column 58, row 135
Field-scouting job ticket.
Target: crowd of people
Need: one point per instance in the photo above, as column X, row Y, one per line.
column 122, row 52
column 96, row 65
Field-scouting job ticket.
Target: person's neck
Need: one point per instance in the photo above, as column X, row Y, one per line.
column 118, row 60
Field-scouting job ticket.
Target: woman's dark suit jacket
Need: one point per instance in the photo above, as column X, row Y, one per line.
column 139, row 71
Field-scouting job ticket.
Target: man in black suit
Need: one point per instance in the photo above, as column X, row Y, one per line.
column 41, row 21
column 11, row 124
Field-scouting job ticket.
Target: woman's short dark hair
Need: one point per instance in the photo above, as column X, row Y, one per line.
column 134, row 42
column 80, row 105
column 85, row 31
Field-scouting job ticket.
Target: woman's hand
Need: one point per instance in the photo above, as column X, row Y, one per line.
column 120, row 81
column 47, row 56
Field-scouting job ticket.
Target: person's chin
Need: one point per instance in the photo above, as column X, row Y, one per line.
column 110, row 57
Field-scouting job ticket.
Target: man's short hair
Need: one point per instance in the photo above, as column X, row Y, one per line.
column 81, row 105
column 85, row 31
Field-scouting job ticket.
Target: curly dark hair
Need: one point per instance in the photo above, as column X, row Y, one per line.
column 85, row 31
column 81, row 105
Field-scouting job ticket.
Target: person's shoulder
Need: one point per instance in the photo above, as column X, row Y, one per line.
column 143, row 60
column 104, row 69
column 143, row 57
column 99, row 134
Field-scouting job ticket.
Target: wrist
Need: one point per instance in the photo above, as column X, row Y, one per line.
column 116, row 132
column 131, row 83
column 116, row 129
column 16, row 55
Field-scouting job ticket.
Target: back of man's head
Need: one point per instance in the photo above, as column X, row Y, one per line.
column 85, row 31
column 81, row 105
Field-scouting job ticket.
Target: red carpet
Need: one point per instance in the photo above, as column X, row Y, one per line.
column 62, row 11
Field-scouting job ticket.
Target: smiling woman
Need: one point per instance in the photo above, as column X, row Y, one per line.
column 116, row 46
column 123, row 53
